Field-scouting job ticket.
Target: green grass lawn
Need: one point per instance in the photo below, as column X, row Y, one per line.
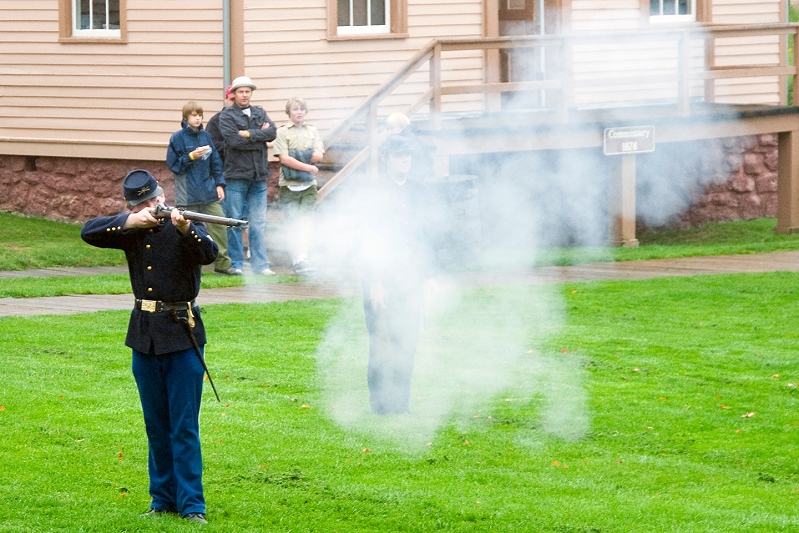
column 35, row 243
column 29, row 242
column 637, row 406
column 31, row 287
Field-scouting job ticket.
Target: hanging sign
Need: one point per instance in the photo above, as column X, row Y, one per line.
column 629, row 140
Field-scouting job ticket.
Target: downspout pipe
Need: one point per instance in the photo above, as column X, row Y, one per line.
column 225, row 43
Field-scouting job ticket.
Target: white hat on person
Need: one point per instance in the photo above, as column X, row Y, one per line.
column 242, row 81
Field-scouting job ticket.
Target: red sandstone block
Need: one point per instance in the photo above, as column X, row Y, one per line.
column 766, row 183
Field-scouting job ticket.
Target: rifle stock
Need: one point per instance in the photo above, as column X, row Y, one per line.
column 163, row 211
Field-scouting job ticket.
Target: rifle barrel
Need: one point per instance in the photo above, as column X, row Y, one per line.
column 162, row 211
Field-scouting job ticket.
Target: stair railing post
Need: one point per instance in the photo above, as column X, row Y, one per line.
column 684, row 71
column 710, row 63
column 373, row 138
column 435, row 84
column 565, row 79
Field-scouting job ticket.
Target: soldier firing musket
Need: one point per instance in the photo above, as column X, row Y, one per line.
column 166, row 334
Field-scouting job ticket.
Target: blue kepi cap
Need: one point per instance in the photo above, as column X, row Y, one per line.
column 139, row 186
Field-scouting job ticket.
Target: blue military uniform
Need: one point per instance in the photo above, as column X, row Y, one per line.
column 165, row 271
column 397, row 252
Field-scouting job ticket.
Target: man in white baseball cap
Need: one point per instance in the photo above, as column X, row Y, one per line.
column 246, row 129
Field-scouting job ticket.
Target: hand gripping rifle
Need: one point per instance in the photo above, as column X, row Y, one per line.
column 162, row 211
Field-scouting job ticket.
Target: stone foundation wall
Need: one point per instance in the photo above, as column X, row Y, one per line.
column 732, row 179
column 75, row 190
column 750, row 190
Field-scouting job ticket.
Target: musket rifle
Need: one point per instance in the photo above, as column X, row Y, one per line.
column 163, row 211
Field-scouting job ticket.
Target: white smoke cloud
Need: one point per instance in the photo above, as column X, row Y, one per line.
column 480, row 346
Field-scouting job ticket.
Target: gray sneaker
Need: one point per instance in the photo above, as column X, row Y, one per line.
column 155, row 512
column 267, row 272
column 198, row 518
column 229, row 272
column 301, row 267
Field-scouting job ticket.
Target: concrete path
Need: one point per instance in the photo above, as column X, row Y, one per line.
column 319, row 287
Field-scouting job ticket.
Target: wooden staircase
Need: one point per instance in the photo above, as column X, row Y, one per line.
column 352, row 146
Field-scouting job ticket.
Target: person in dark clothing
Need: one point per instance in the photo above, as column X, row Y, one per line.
column 396, row 258
column 421, row 161
column 213, row 125
column 246, row 129
column 164, row 262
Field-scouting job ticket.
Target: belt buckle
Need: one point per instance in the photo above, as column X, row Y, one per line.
column 148, row 305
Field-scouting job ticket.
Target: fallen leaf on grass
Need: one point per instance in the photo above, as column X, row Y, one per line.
column 366, row 450
column 724, row 406
column 2, row 408
column 465, row 442
column 555, row 463
column 305, row 406
column 429, row 444
column 635, row 369
column 775, row 376
column 748, row 415
column 564, row 350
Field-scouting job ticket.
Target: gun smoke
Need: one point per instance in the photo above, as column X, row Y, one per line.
column 485, row 349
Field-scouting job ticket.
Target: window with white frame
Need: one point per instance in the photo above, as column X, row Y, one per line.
column 363, row 17
column 95, row 18
column 672, row 10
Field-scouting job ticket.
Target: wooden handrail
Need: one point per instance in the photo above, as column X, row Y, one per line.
column 367, row 112
column 401, row 75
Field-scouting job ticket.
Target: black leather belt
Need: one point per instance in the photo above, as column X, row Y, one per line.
column 157, row 306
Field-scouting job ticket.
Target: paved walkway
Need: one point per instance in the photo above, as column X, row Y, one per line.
column 319, row 287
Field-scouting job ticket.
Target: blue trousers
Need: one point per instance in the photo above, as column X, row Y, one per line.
column 170, row 388
column 393, row 337
column 247, row 196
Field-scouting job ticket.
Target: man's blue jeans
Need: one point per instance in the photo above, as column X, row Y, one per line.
column 247, row 196
column 170, row 388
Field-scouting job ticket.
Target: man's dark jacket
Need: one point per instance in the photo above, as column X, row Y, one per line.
column 216, row 135
column 164, row 265
column 245, row 157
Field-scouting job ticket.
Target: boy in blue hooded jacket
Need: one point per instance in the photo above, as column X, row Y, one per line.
column 199, row 184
